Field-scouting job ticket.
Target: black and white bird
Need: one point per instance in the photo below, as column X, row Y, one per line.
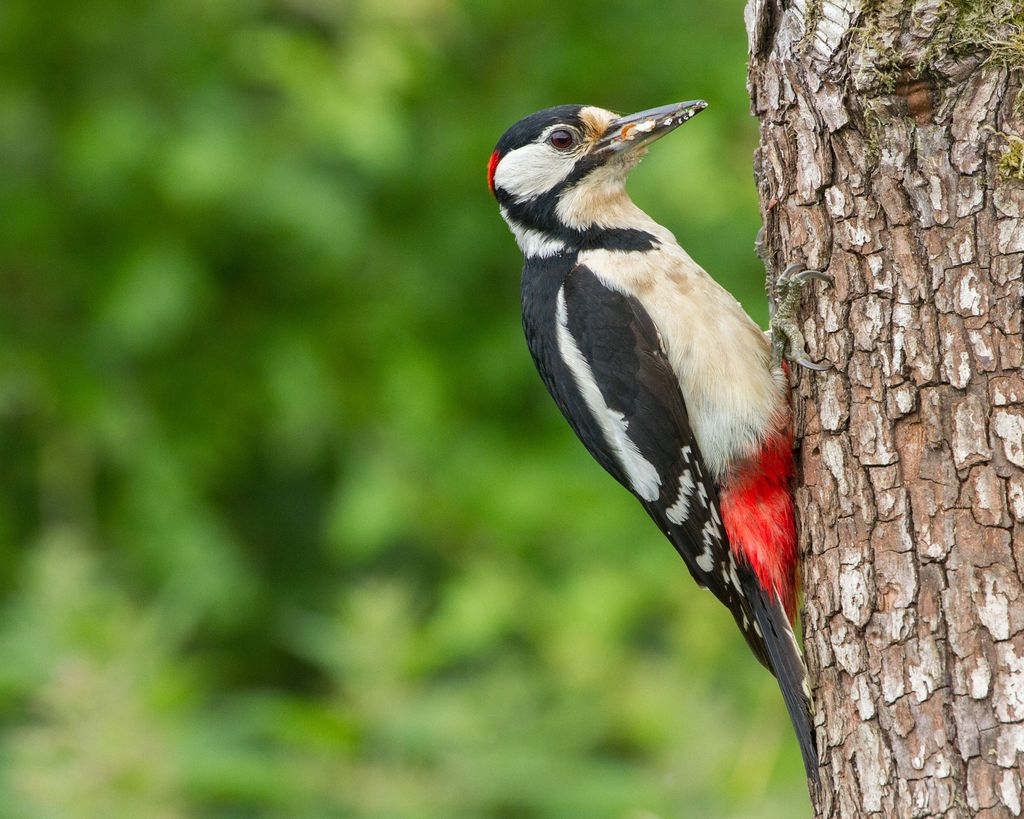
column 666, row 380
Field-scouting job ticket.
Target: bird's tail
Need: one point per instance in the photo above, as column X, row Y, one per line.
column 788, row 666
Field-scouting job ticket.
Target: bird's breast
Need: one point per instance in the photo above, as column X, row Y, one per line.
column 720, row 356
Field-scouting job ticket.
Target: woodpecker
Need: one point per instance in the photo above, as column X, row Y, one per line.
column 662, row 375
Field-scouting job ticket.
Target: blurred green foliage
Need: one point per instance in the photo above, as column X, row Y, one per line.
column 289, row 527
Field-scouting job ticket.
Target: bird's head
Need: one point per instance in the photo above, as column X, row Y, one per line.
column 562, row 171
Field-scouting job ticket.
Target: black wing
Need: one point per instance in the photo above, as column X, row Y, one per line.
column 606, row 368
column 623, row 400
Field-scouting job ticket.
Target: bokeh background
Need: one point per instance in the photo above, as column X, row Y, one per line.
column 288, row 525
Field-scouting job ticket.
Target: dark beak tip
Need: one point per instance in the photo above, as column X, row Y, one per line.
column 693, row 106
column 635, row 130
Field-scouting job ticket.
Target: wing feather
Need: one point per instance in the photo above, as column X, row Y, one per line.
column 646, row 430
column 621, row 396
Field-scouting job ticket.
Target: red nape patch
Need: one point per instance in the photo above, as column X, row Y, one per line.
column 491, row 167
column 757, row 510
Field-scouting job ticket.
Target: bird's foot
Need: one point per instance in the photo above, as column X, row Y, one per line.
column 787, row 340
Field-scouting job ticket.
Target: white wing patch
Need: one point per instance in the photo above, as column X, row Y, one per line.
column 642, row 475
column 711, row 532
column 733, row 577
column 711, row 538
column 680, row 510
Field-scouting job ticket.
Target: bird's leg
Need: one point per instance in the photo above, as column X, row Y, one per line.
column 786, row 338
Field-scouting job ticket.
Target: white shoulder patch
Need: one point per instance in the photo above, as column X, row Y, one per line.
column 640, row 472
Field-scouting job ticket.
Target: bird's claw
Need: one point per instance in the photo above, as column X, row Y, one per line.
column 787, row 339
column 797, row 275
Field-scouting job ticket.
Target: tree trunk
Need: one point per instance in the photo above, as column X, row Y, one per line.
column 891, row 155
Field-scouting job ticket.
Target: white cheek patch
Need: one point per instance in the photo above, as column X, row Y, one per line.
column 532, row 170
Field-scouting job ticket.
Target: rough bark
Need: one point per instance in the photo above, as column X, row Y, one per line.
column 889, row 137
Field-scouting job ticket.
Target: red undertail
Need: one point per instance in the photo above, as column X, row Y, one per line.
column 757, row 510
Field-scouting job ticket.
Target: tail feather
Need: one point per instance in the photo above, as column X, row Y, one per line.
column 787, row 665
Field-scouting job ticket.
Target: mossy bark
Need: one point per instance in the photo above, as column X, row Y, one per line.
column 885, row 130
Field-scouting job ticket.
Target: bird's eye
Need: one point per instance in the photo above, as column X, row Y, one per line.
column 562, row 139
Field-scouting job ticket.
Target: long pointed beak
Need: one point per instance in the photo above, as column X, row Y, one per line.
column 635, row 130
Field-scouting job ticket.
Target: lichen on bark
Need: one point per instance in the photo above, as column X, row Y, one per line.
column 885, row 134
